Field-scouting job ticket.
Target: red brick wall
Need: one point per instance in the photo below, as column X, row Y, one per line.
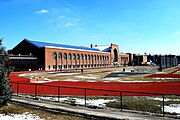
column 75, row 63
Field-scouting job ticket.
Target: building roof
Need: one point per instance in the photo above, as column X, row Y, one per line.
column 103, row 48
column 46, row 44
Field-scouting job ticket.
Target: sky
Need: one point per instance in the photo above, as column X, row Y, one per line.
column 137, row 26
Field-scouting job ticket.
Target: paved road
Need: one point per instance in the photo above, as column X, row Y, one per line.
column 84, row 111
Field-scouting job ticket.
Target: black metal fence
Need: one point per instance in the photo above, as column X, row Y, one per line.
column 61, row 91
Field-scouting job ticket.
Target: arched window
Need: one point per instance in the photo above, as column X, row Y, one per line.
column 74, row 56
column 69, row 56
column 60, row 55
column 78, row 56
column 107, row 58
column 85, row 57
column 100, row 57
column 81, row 56
column 54, row 56
column 115, row 55
column 97, row 57
column 89, row 57
column 65, row 56
column 94, row 57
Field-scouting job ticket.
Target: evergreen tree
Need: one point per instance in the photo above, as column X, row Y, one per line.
column 5, row 88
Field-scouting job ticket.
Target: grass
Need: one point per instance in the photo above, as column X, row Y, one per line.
column 17, row 109
column 169, row 70
column 152, row 104
column 138, row 104
column 101, row 76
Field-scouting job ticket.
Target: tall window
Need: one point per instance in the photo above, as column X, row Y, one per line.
column 81, row 56
column 74, row 56
column 65, row 56
column 69, row 56
column 54, row 56
column 60, row 55
column 94, row 57
column 89, row 57
column 78, row 56
column 85, row 57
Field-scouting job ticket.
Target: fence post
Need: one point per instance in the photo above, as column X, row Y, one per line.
column 17, row 89
column 35, row 90
column 58, row 94
column 121, row 99
column 163, row 105
column 85, row 96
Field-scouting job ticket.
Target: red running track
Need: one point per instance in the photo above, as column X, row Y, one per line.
column 169, row 75
column 108, row 88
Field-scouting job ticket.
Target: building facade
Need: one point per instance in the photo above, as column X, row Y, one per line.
column 51, row 56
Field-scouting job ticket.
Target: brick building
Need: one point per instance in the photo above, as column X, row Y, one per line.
column 51, row 56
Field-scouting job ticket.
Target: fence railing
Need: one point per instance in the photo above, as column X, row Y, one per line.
column 58, row 90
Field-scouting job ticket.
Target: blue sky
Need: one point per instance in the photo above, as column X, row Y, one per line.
column 137, row 26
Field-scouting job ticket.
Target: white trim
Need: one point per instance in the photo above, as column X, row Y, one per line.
column 76, row 49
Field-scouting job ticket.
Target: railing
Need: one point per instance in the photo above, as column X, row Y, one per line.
column 58, row 90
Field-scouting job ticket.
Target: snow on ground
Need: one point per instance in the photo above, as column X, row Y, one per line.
column 86, row 77
column 161, row 99
column 24, row 116
column 173, row 108
column 66, row 73
column 79, row 101
column 110, row 79
column 98, row 102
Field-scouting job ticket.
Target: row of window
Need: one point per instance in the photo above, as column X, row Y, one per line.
column 77, row 66
column 78, row 56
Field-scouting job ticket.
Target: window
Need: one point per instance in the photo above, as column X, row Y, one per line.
column 102, row 57
column 89, row 57
column 54, row 56
column 60, row 55
column 85, row 57
column 81, row 56
column 65, row 56
column 97, row 57
column 94, row 57
column 78, row 56
column 74, row 56
column 69, row 56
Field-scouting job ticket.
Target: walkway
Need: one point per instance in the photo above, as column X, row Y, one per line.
column 84, row 111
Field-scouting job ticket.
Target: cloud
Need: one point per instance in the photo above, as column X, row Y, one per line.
column 69, row 24
column 42, row 11
column 60, row 17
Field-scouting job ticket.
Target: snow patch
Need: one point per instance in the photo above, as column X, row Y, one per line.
column 98, row 102
column 173, row 108
column 91, row 102
column 86, row 77
column 161, row 99
column 24, row 116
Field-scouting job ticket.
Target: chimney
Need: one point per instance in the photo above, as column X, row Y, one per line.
column 91, row 46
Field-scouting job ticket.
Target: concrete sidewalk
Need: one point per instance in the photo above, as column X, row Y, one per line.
column 84, row 111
